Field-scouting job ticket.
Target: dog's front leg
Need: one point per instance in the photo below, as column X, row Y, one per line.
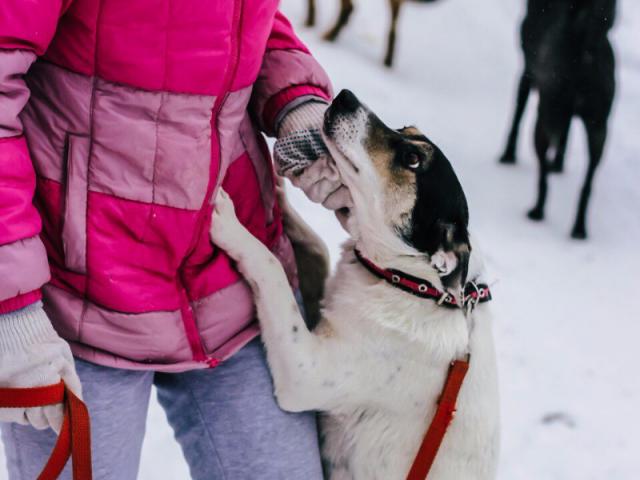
column 297, row 357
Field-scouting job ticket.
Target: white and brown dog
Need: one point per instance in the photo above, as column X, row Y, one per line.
column 376, row 363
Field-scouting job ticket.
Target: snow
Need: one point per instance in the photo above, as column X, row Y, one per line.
column 567, row 318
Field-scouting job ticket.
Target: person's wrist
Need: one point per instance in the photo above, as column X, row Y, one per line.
column 306, row 116
column 24, row 328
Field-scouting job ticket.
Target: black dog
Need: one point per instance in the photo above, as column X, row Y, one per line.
column 569, row 60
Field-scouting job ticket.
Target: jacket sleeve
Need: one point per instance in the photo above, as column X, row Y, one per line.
column 26, row 29
column 289, row 76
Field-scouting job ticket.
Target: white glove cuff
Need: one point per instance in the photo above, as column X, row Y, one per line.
column 25, row 327
column 309, row 115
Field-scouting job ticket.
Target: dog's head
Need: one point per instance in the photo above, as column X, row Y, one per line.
column 407, row 198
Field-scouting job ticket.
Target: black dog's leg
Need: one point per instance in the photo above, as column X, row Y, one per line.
column 596, row 136
column 509, row 155
column 391, row 43
column 346, row 8
column 558, row 162
column 542, row 146
column 311, row 14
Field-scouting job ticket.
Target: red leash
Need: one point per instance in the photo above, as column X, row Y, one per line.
column 440, row 422
column 74, row 440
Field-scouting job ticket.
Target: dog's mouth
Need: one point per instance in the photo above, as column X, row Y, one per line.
column 343, row 156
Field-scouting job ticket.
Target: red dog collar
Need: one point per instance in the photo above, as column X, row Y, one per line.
column 473, row 293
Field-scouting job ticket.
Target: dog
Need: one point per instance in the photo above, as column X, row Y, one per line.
column 346, row 9
column 570, row 62
column 376, row 363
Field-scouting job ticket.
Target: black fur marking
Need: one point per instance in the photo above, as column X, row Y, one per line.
column 440, row 217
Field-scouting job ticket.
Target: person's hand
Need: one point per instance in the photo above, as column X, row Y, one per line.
column 33, row 355
column 302, row 157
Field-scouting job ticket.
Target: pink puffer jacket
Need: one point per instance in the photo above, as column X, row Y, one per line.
column 132, row 114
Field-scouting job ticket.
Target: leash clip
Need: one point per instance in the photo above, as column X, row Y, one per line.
column 470, row 302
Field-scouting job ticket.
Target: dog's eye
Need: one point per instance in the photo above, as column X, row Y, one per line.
column 412, row 160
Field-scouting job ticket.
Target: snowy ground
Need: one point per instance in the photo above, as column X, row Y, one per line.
column 567, row 312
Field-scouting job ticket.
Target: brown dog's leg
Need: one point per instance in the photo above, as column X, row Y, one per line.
column 311, row 14
column 391, row 45
column 346, row 8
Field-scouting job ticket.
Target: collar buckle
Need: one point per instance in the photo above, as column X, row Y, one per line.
column 445, row 297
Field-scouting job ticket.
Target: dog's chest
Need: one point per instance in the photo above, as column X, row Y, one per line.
column 369, row 443
column 377, row 436
column 396, row 390
column 390, row 325
column 401, row 346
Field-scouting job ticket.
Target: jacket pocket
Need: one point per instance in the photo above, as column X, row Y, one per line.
column 74, row 229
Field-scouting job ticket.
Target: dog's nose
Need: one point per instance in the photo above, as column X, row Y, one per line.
column 347, row 101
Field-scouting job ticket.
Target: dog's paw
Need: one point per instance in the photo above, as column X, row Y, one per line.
column 507, row 158
column 579, row 233
column 330, row 36
column 535, row 214
column 223, row 206
column 225, row 229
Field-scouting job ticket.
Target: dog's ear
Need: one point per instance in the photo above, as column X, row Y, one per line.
column 440, row 220
column 451, row 257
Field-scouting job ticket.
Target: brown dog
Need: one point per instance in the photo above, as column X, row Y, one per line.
column 346, row 9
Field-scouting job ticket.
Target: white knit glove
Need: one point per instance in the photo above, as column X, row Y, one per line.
column 301, row 156
column 33, row 355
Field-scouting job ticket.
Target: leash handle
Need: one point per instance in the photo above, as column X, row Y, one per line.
column 74, row 439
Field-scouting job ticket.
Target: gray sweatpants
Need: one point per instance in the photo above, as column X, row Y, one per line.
column 225, row 420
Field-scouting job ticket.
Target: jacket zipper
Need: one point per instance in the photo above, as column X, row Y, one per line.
column 191, row 329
